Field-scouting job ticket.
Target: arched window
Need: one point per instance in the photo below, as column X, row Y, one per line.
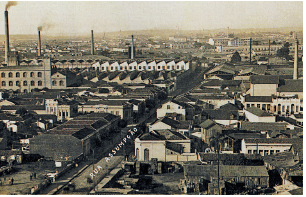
column 10, row 83
column 39, row 74
column 17, row 83
column 2, row 75
column 17, row 74
column 137, row 153
column 146, row 154
column 10, row 74
column 54, row 83
column 61, row 83
column 39, row 83
column 32, row 74
column 25, row 83
column 24, row 74
column 3, row 83
column 32, row 83
column 25, row 91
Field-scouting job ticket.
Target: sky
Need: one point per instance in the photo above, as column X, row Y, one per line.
column 79, row 17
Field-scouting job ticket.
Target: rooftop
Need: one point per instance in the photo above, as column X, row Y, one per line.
column 258, row 112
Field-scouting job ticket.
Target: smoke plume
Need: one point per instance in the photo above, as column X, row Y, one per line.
column 9, row 4
column 44, row 26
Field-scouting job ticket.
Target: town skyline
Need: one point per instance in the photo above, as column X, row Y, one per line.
column 78, row 17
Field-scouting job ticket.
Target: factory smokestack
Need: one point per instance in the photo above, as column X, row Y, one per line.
column 7, row 39
column 92, row 43
column 132, row 49
column 250, row 50
column 295, row 67
column 39, row 44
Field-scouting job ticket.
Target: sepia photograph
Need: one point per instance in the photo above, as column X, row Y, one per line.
column 151, row 98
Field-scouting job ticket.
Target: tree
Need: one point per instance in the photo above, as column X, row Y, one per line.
column 21, row 111
column 5, row 95
column 236, row 57
column 122, row 123
column 150, row 103
column 284, row 52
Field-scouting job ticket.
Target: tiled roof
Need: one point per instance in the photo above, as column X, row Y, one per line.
column 106, row 102
column 291, row 86
column 207, row 123
column 265, row 99
column 150, row 136
column 170, row 135
column 28, row 107
column 208, row 171
column 274, row 140
column 82, row 133
column 264, row 79
column 229, row 106
column 239, row 136
column 220, row 114
column 263, row 126
column 258, row 112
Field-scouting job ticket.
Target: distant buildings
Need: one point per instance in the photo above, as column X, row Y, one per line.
column 141, row 65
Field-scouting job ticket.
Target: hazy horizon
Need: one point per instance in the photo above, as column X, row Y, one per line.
column 80, row 17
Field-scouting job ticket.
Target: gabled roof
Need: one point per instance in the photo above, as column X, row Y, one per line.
column 168, row 121
column 170, row 135
column 229, row 107
column 258, row 112
column 150, row 136
column 185, row 105
column 207, row 123
column 264, row 79
column 220, row 114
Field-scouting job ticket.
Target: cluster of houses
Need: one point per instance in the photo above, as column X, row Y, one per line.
column 257, row 118
column 249, row 112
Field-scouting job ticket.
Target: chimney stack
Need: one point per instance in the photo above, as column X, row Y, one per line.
column 132, row 48
column 7, row 39
column 227, row 32
column 39, row 44
column 295, row 67
column 92, row 43
column 250, row 50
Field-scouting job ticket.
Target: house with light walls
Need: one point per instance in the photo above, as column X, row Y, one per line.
column 182, row 111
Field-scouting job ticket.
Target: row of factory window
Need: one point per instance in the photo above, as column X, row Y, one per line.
column 18, row 83
column 17, row 74
column 277, row 108
column 263, row 152
column 139, row 68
